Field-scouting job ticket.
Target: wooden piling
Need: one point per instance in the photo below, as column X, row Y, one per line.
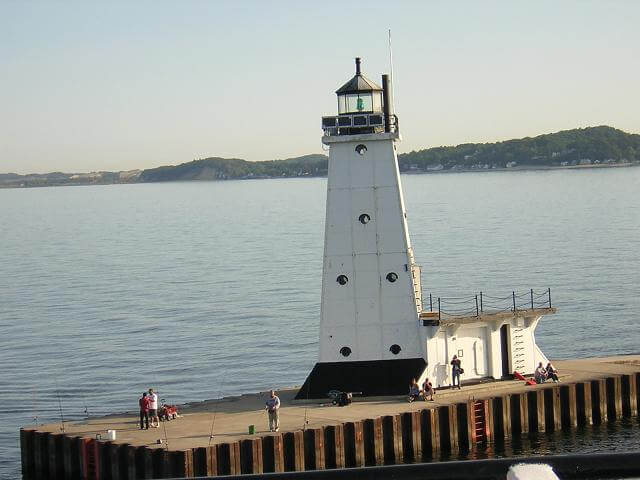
column 568, row 406
column 26, row 453
column 411, row 437
column 552, row 414
column 91, row 458
column 181, row 463
column 519, row 407
column 228, row 458
column 251, row 456
column 373, row 442
column 55, row 459
column 430, row 428
column 272, row 454
column 205, row 461
column 584, row 410
column 463, row 426
column 448, row 428
column 293, row 446
column 144, row 462
column 629, row 400
column 599, row 400
column 637, row 392
column 160, row 463
column 105, row 465
column 334, row 452
column 41, row 454
column 313, row 449
column 353, row 444
column 488, row 419
column 392, row 439
column 40, row 460
column 110, row 462
column 500, row 424
column 614, row 397
column 127, row 462
column 536, row 415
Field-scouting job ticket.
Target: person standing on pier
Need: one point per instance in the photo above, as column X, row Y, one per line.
column 153, row 408
column 144, row 410
column 456, row 370
column 272, row 408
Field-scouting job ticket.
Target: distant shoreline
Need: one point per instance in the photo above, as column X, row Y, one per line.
column 523, row 168
column 590, row 147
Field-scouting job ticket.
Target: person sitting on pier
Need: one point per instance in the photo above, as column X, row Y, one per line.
column 428, row 390
column 540, row 374
column 552, row 373
column 414, row 390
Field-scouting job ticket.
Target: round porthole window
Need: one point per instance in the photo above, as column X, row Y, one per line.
column 364, row 218
column 392, row 276
column 342, row 279
column 395, row 349
column 361, row 149
column 345, row 351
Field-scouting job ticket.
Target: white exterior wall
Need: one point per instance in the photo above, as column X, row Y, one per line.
column 481, row 348
column 369, row 314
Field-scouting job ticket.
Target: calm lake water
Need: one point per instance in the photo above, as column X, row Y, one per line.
column 209, row 289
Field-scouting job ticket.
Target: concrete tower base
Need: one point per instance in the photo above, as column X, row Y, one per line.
column 370, row 378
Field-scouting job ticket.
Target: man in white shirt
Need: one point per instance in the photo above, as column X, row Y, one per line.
column 273, row 407
column 153, row 408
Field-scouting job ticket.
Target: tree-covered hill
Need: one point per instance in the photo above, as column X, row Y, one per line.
column 583, row 146
column 216, row 168
column 586, row 146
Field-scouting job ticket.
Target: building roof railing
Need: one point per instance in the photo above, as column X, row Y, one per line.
column 483, row 307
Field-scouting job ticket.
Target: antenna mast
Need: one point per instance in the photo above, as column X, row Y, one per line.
column 391, row 66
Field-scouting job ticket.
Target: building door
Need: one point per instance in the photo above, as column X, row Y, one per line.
column 504, row 350
column 441, row 371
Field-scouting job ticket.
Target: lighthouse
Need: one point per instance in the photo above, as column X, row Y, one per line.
column 374, row 334
column 369, row 329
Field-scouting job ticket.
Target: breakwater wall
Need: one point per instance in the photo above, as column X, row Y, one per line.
column 407, row 437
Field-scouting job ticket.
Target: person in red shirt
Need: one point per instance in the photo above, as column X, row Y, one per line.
column 144, row 410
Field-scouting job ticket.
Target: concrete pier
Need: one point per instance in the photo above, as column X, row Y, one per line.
column 318, row 436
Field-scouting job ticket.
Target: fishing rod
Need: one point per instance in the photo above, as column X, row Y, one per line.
column 215, row 410
column 86, row 410
column 164, row 426
column 35, row 405
column 60, row 407
column 306, row 407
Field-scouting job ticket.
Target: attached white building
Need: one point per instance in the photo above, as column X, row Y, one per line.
column 374, row 335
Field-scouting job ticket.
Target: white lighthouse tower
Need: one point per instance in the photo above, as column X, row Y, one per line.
column 374, row 336
column 369, row 328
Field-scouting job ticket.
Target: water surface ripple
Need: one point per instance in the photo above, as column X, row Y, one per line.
column 213, row 288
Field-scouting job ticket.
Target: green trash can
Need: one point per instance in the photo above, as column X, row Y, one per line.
column 252, row 429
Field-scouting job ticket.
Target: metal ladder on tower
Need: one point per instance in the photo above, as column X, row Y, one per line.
column 518, row 350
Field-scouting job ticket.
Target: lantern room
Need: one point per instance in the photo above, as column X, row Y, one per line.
column 359, row 95
column 363, row 107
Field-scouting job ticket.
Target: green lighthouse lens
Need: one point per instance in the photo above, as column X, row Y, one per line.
column 360, row 104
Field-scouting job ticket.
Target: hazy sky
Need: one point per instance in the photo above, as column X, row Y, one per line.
column 120, row 85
